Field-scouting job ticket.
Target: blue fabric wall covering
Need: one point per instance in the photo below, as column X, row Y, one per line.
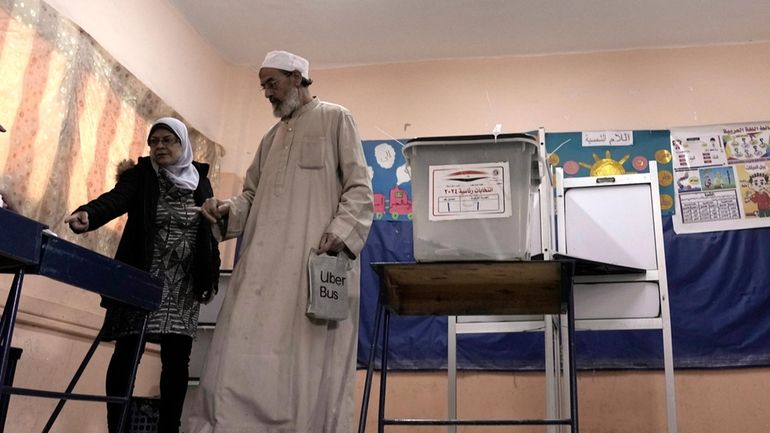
column 719, row 284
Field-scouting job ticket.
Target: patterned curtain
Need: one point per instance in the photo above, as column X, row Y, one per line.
column 72, row 114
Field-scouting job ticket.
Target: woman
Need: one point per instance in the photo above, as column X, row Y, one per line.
column 165, row 236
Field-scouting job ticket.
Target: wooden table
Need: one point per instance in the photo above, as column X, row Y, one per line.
column 471, row 288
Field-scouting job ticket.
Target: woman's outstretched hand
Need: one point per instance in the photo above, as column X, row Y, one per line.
column 78, row 221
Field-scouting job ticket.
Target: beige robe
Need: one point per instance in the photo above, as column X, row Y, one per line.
column 270, row 369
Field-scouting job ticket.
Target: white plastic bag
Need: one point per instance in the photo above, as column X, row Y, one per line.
column 327, row 286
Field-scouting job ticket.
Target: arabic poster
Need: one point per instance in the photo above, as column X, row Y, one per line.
column 391, row 183
column 580, row 153
column 722, row 177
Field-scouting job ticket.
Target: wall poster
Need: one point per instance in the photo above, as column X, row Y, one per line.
column 612, row 152
column 391, row 183
column 722, row 177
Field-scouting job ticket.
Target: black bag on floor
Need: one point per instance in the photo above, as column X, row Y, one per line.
column 143, row 415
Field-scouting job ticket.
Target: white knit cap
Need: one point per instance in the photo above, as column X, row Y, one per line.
column 286, row 61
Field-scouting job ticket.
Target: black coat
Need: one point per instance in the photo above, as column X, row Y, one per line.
column 137, row 194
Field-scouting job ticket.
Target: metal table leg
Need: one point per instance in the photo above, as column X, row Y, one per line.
column 132, row 377
column 73, row 382
column 6, row 328
column 572, row 363
column 383, row 372
column 125, row 400
column 370, row 369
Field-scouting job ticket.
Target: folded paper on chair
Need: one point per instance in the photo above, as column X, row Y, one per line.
column 327, row 286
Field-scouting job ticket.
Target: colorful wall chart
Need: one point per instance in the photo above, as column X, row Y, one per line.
column 722, row 177
column 613, row 152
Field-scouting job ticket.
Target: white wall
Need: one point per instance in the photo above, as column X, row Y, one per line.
column 640, row 89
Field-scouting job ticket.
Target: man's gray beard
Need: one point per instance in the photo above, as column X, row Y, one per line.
column 285, row 108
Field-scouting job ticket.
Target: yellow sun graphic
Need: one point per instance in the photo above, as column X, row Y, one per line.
column 606, row 166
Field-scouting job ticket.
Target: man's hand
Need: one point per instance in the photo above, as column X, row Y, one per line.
column 78, row 221
column 214, row 209
column 330, row 242
column 206, row 297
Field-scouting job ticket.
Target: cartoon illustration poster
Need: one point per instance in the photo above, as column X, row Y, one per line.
column 754, row 179
column 580, row 154
column 391, row 183
column 698, row 151
column 722, row 177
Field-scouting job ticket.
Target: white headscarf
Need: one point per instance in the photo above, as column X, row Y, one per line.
column 182, row 173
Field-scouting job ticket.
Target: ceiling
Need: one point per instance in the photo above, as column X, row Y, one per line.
column 339, row 33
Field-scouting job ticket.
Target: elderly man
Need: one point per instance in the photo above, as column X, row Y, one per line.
column 270, row 368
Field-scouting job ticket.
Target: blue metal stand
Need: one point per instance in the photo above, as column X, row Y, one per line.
column 24, row 248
